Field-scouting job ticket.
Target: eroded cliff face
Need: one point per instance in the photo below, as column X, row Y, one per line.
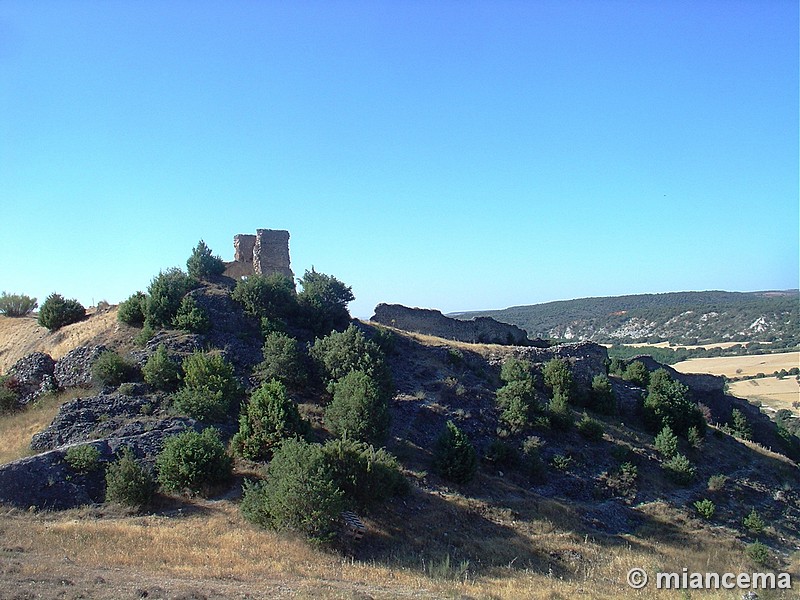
column 432, row 322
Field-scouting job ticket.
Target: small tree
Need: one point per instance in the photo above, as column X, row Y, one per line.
column 637, row 374
column 111, row 369
column 740, row 424
column 57, row 312
column 366, row 475
column 271, row 297
column 283, row 360
column 341, row 352
column 83, row 459
column 132, row 311
column 602, row 396
column 454, row 456
column 668, row 404
column 558, row 377
column 666, row 442
column 268, row 418
column 160, row 371
column 127, row 482
column 17, row 305
column 359, row 409
column 560, row 413
column 753, row 522
column 323, row 302
column 202, row 263
column 705, row 508
column 590, row 428
column 193, row 462
column 165, row 293
column 191, row 316
column 679, row 469
column 299, row 493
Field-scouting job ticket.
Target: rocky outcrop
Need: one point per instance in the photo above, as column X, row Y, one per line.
column 94, row 417
column 34, row 375
column 75, row 368
column 264, row 253
column 433, row 322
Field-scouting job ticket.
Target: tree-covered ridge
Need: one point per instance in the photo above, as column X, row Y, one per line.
column 678, row 317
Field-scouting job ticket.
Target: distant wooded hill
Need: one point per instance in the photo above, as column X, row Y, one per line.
column 682, row 318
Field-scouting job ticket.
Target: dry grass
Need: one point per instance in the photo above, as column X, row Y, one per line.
column 770, row 391
column 17, row 428
column 210, row 545
column 21, row 336
column 740, row 366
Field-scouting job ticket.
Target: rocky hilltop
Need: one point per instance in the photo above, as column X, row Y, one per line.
column 552, row 428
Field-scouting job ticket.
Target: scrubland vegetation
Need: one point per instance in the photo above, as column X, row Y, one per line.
column 476, row 472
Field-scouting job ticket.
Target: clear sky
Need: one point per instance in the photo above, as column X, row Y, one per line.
column 455, row 155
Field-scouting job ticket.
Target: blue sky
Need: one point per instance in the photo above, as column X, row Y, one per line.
column 453, row 155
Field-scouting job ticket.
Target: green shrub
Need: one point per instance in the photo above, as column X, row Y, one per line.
column 9, row 396
column 203, row 404
column 160, row 371
column 668, row 404
column 165, row 293
column 17, row 305
column 193, row 462
column 268, row 418
column 83, row 459
column 602, row 397
column 560, row 413
column 517, row 369
column 191, row 316
column 283, row 360
column 516, row 400
column 299, row 493
column 323, row 302
column 637, row 374
column 705, row 508
column 695, row 438
column 202, row 263
column 359, row 409
column 341, row 352
column 145, row 335
column 717, row 482
column 132, row 311
column 679, row 469
column 270, row 297
column 210, row 371
column 623, row 480
column 753, row 522
column 759, row 554
column 558, row 377
column 532, row 457
column 590, row 428
column 366, row 475
column 740, row 424
column 666, row 442
column 128, row 482
column 501, row 453
column 111, row 369
column 562, row 462
column 57, row 312
column 454, row 456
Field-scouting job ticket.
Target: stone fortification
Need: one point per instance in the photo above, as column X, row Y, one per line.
column 433, row 322
column 264, row 253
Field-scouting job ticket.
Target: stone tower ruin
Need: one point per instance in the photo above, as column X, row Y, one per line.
column 264, row 253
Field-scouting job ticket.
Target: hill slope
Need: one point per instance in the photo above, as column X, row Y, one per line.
column 679, row 317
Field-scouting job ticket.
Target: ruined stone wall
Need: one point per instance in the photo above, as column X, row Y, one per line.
column 264, row 253
column 433, row 322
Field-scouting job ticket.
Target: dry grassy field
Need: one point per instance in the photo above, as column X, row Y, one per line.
column 739, row 366
column 770, row 391
column 22, row 335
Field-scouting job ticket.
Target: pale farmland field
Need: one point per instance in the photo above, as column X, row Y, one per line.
column 770, row 391
column 740, row 366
